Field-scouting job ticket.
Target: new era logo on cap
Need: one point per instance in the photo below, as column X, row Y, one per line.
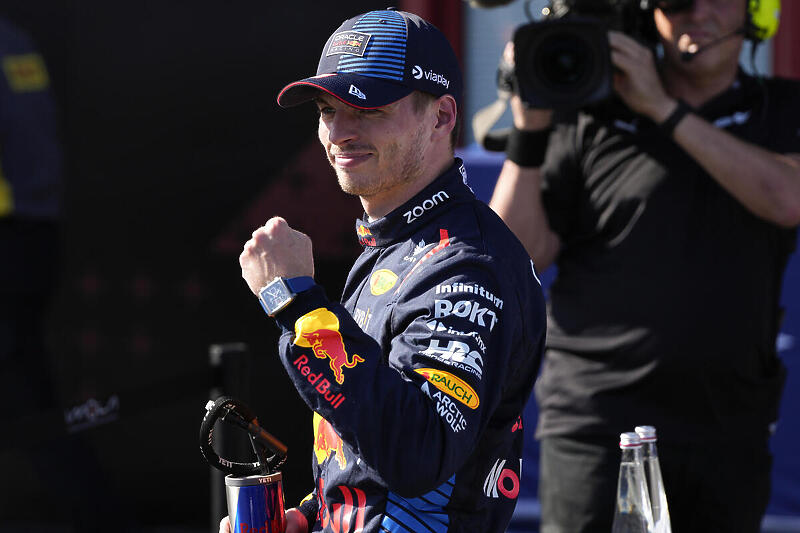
column 356, row 92
column 379, row 57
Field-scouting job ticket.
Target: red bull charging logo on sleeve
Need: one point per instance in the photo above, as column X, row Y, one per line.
column 319, row 330
column 327, row 441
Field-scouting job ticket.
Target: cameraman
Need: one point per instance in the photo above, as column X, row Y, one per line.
column 671, row 219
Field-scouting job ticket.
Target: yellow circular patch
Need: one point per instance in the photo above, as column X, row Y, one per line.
column 382, row 280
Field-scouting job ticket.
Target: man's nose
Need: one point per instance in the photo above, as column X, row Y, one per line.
column 343, row 128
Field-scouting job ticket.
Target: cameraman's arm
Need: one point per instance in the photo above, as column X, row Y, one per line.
column 764, row 182
column 517, row 194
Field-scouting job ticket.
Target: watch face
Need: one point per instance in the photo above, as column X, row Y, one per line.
column 275, row 296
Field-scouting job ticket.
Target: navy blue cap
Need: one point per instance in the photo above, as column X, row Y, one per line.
column 379, row 57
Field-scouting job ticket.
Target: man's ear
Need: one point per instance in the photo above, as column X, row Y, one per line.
column 447, row 111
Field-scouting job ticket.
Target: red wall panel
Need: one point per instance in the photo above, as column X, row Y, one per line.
column 786, row 43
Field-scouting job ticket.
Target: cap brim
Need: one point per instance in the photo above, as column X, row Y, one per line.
column 363, row 92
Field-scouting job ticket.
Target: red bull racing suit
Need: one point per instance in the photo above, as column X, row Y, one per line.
column 419, row 377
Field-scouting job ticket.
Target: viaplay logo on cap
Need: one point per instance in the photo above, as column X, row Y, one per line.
column 348, row 42
column 430, row 75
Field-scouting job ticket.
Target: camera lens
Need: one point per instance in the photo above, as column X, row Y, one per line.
column 562, row 61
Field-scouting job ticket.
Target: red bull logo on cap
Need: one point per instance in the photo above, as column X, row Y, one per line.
column 319, row 330
column 327, row 441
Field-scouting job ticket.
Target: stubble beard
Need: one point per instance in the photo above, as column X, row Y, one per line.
column 407, row 167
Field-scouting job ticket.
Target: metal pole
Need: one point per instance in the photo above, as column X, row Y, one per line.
column 230, row 364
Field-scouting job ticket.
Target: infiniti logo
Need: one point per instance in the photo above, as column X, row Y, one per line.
column 417, row 72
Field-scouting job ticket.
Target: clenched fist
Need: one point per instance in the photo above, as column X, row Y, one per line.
column 275, row 250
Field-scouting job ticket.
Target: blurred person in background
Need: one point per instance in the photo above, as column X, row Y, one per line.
column 30, row 187
column 30, row 206
column 670, row 214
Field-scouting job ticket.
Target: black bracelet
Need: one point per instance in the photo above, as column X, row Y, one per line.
column 527, row 148
column 669, row 124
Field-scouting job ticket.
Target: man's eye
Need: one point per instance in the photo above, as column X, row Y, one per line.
column 325, row 111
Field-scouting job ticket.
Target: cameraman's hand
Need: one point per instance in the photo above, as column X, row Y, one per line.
column 526, row 118
column 295, row 522
column 637, row 81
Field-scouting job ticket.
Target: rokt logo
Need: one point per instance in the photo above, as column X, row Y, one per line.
column 468, row 309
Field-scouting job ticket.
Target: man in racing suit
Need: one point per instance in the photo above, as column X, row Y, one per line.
column 419, row 377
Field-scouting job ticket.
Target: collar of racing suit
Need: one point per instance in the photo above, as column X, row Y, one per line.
column 442, row 193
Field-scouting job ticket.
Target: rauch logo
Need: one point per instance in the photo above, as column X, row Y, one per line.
column 451, row 385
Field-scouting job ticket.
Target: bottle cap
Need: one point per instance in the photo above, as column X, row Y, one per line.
column 629, row 440
column 646, row 433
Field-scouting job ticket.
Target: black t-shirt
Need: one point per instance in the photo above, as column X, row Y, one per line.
column 665, row 307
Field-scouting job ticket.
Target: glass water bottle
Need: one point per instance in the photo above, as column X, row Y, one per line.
column 633, row 513
column 655, row 483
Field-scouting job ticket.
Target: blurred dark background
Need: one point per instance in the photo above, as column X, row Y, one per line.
column 174, row 151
